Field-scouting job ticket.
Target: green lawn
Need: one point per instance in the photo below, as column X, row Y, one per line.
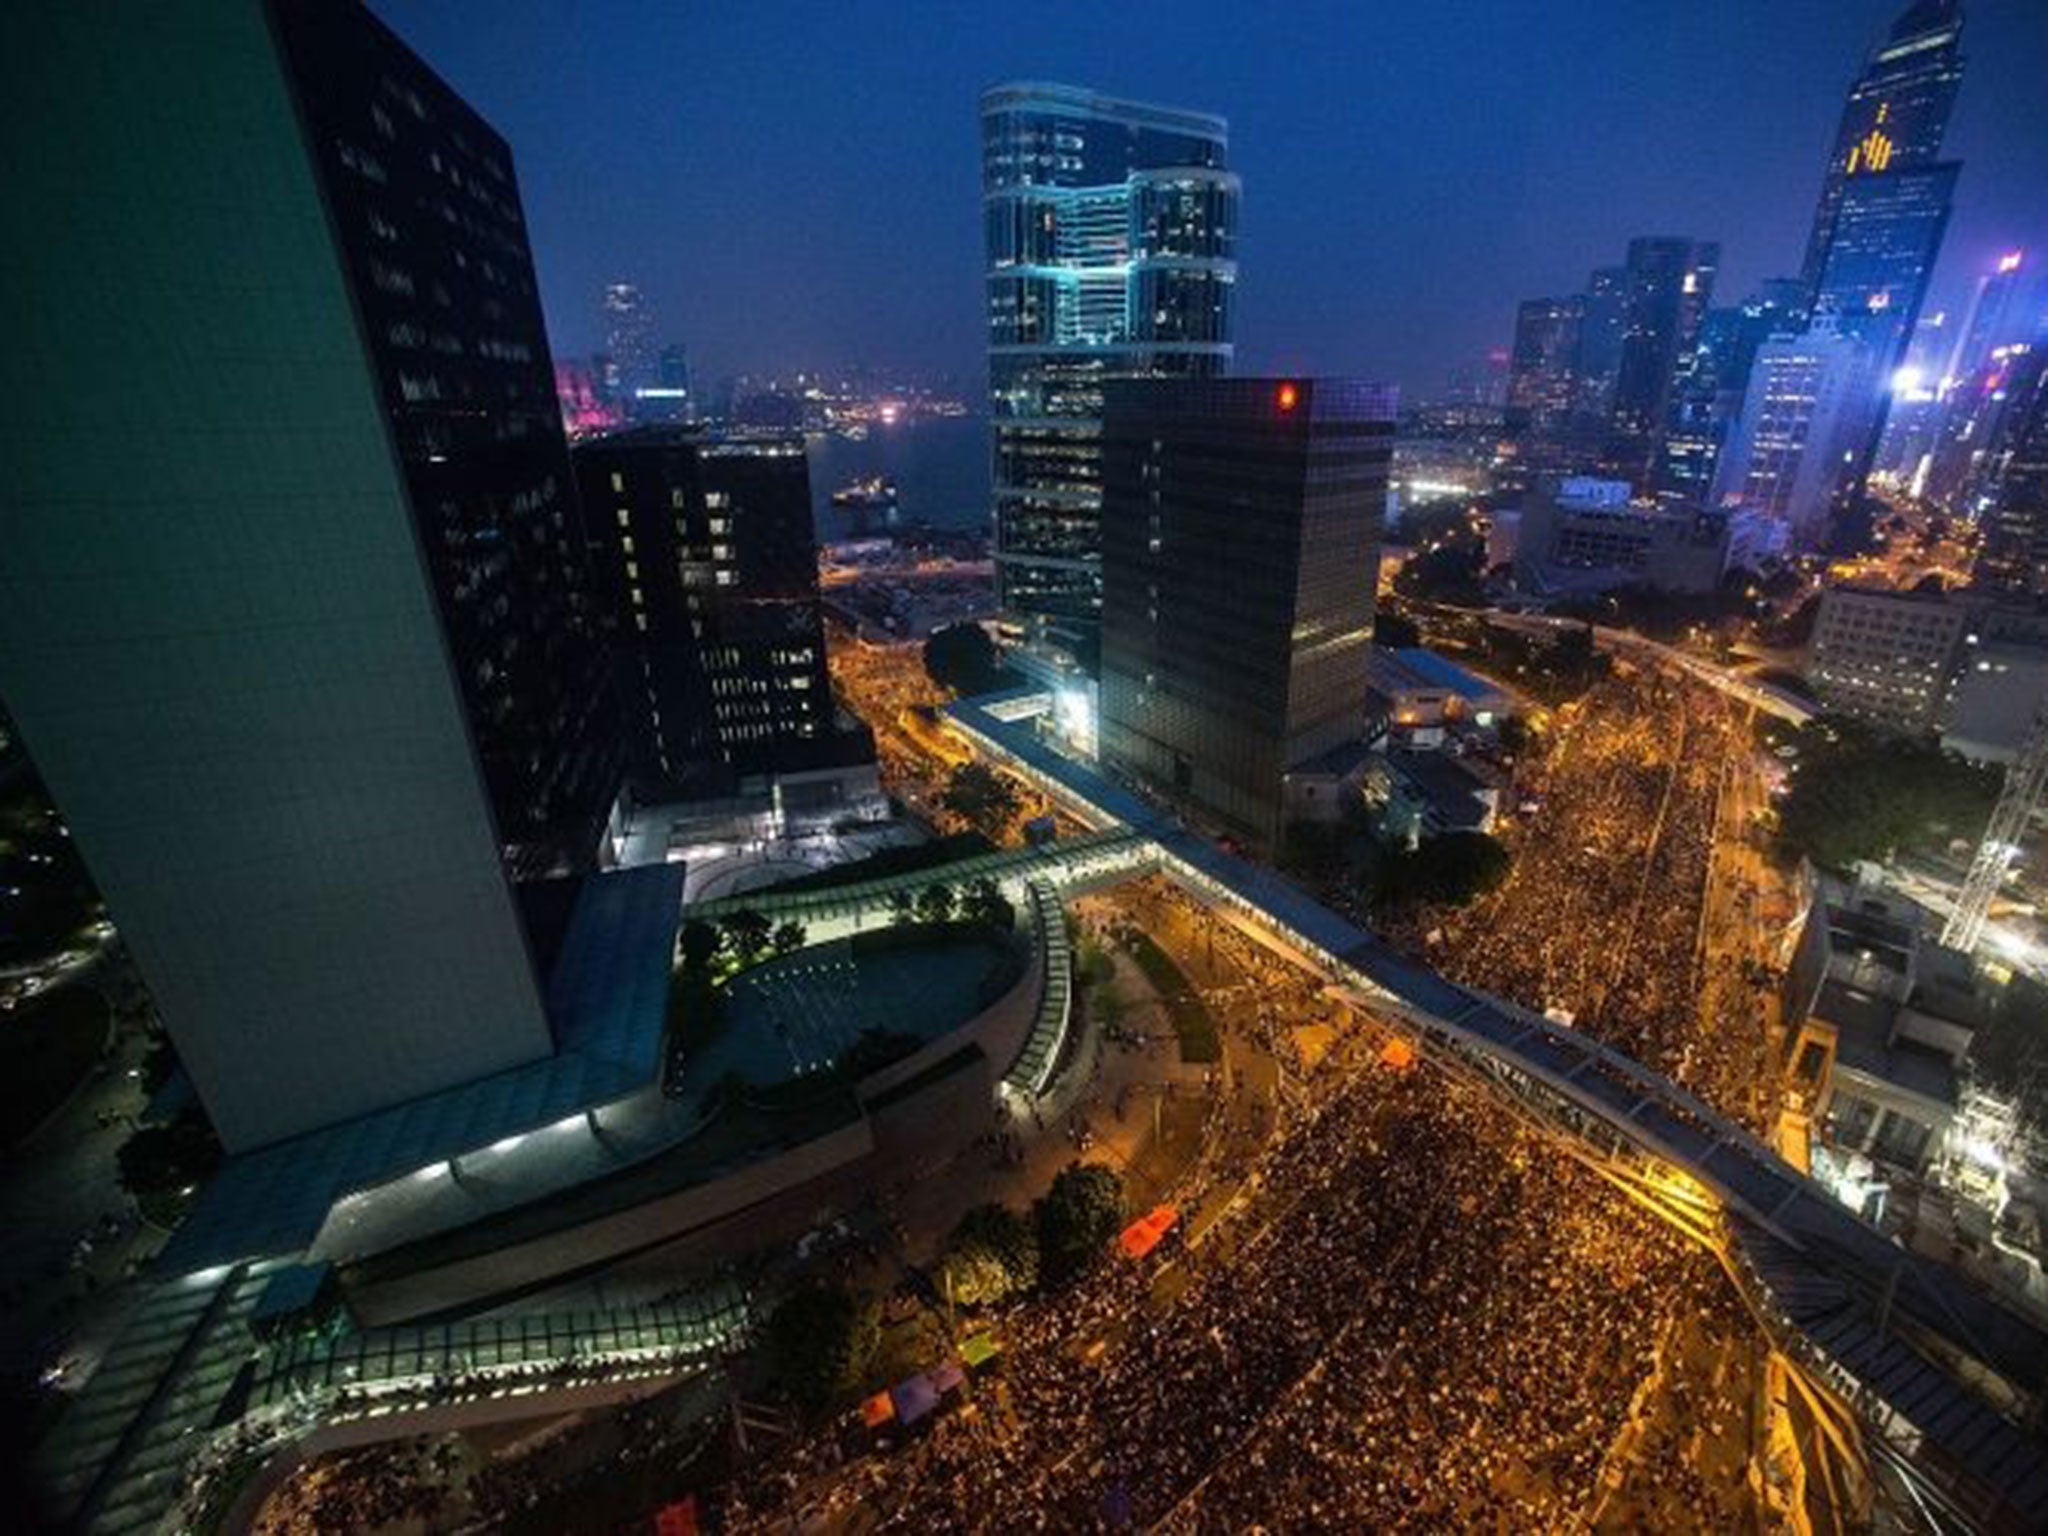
column 1192, row 1024
column 47, row 1046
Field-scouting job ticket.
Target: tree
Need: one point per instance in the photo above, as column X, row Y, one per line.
column 788, row 937
column 1860, row 793
column 747, row 934
column 992, row 1255
column 935, row 902
column 984, row 903
column 167, row 1159
column 1451, row 870
column 963, row 658
column 1076, row 1218
column 820, row 1341
column 983, row 798
column 1394, row 631
column 700, row 943
column 902, row 908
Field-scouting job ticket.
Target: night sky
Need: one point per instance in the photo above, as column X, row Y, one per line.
column 796, row 184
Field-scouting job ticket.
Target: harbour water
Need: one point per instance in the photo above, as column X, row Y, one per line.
column 940, row 467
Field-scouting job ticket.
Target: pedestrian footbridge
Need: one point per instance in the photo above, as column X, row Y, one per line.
column 1949, row 1380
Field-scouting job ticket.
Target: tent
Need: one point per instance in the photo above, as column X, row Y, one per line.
column 914, row 1398
column 1143, row 1235
column 877, row 1410
column 1397, row 1053
column 678, row 1519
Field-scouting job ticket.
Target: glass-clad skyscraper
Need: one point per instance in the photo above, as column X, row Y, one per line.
column 1111, row 231
column 1895, row 115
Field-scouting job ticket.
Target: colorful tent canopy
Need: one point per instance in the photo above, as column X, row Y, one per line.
column 979, row 1350
column 1397, row 1053
column 877, row 1410
column 1143, row 1235
column 678, row 1519
column 914, row 1398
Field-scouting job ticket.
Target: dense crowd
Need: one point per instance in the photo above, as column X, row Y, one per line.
column 1601, row 916
column 1426, row 1318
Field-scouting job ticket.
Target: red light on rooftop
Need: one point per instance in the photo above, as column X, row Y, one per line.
column 1288, row 396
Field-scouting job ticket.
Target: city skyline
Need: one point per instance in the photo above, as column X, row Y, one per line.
column 870, row 142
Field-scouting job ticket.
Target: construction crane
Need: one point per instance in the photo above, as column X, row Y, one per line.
column 2024, row 778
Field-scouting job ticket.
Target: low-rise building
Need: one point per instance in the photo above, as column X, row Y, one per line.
column 1417, row 795
column 1582, row 536
column 1961, row 664
column 1417, row 698
column 1884, row 1019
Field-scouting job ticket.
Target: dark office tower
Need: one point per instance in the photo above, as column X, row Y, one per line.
column 282, row 627
column 1895, row 116
column 628, row 342
column 1990, row 319
column 2014, row 559
column 1110, row 229
column 1602, row 317
column 1543, row 381
column 708, row 570
column 427, row 219
column 1241, row 528
column 1670, row 283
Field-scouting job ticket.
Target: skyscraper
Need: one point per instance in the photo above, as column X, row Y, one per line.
column 1601, row 321
column 1805, row 417
column 628, row 343
column 1543, row 380
column 1989, row 320
column 1110, row 230
column 1241, row 529
column 297, row 635
column 2014, row 560
column 1708, row 392
column 1895, row 115
column 1670, row 285
column 707, row 568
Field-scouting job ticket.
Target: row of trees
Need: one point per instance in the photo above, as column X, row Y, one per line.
column 823, row 1340
column 741, row 940
column 996, row 1253
column 983, row 798
column 982, row 903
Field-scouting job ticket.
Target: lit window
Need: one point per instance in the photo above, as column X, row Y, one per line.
column 618, row 481
column 627, row 544
column 625, row 518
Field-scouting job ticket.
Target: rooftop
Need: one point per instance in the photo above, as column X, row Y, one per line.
column 607, row 1000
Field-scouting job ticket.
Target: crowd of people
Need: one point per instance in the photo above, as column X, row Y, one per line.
column 1601, row 916
column 1425, row 1318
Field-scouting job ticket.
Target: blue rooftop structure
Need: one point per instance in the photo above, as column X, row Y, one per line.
column 607, row 1000
column 1435, row 669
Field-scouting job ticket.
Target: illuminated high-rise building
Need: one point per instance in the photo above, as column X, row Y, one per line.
column 1543, row 381
column 1805, row 416
column 1708, row 393
column 628, row 343
column 2014, row 559
column 1111, row 231
column 1895, row 115
column 1990, row 318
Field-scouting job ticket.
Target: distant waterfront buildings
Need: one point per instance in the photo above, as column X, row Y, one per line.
column 1110, row 231
column 1241, row 530
column 303, row 642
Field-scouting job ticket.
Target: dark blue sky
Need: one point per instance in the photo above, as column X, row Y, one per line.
column 794, row 182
